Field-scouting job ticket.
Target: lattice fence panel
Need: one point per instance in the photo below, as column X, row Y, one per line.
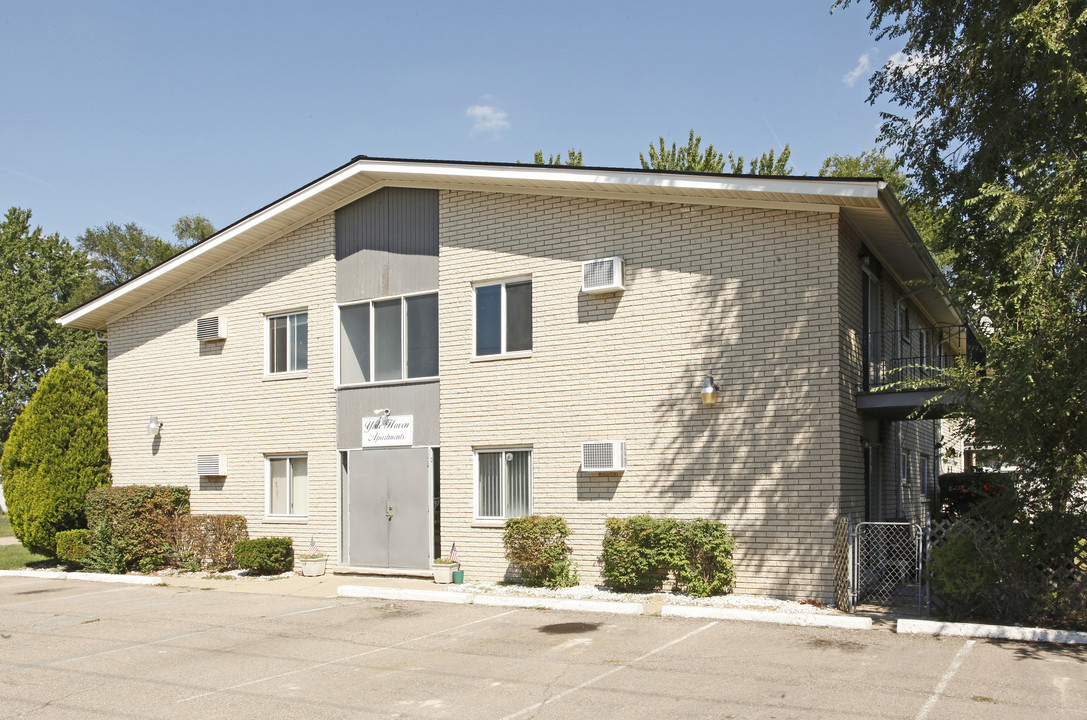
column 841, row 564
column 888, row 567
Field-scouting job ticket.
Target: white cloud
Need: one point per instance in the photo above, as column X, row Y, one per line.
column 864, row 63
column 910, row 64
column 488, row 118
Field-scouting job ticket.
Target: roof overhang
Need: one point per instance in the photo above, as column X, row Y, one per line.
column 867, row 202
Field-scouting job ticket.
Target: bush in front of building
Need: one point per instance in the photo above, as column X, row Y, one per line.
column 642, row 552
column 56, row 452
column 995, row 564
column 265, row 556
column 536, row 545
column 961, row 492
column 73, row 546
column 206, row 542
column 132, row 527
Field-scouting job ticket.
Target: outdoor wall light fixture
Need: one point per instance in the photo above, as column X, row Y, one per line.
column 153, row 425
column 709, row 391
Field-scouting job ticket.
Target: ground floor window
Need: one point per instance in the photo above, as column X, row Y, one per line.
column 503, row 483
column 288, row 485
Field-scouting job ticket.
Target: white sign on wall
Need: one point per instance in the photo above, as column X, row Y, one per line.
column 389, row 431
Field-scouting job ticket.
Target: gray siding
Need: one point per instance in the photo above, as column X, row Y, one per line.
column 418, row 399
column 387, row 244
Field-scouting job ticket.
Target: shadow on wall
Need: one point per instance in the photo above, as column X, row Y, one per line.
column 760, row 457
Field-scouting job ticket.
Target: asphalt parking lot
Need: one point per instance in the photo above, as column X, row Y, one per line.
column 72, row 649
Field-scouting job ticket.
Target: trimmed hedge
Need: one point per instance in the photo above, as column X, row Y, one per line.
column 641, row 552
column 133, row 526
column 206, row 542
column 265, row 556
column 55, row 453
column 536, row 545
column 73, row 546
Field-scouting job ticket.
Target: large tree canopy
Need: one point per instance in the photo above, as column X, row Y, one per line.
column 993, row 125
column 119, row 253
column 41, row 277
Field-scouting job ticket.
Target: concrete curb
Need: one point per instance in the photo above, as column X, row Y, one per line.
column 90, row 577
column 380, row 593
column 999, row 632
column 618, row 608
column 766, row 616
column 40, row 574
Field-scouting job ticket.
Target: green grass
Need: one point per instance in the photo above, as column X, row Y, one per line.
column 13, row 557
column 5, row 526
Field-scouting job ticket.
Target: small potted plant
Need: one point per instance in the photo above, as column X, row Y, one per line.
column 443, row 567
column 312, row 561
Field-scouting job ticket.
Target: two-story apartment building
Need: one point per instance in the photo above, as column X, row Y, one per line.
column 401, row 354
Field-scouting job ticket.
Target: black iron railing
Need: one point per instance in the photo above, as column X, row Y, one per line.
column 918, row 357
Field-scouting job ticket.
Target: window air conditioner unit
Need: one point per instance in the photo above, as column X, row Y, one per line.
column 606, row 456
column 211, row 466
column 602, row 276
column 209, row 329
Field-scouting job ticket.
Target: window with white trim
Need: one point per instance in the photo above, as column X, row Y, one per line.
column 503, row 483
column 503, row 317
column 288, row 485
column 288, row 343
column 388, row 340
column 924, row 470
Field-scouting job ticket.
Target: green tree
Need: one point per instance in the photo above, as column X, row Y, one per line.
column 692, row 158
column 191, row 229
column 41, row 277
column 56, row 453
column 923, row 212
column 993, row 126
column 119, row 253
column 573, row 158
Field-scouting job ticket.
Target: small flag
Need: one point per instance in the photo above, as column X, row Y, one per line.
column 453, row 553
column 312, row 546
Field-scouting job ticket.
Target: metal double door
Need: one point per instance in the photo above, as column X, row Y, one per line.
column 389, row 508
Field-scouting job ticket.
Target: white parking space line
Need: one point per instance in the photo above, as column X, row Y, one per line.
column 601, row 676
column 956, row 662
column 67, row 597
column 371, row 651
column 137, row 646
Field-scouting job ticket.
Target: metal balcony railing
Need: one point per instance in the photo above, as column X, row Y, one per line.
column 916, row 358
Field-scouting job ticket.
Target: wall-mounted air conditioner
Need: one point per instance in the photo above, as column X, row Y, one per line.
column 211, row 466
column 209, row 329
column 604, row 456
column 602, row 276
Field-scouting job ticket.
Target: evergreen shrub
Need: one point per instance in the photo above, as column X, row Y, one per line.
column 133, row 526
column 55, row 454
column 73, row 546
column 536, row 545
column 265, row 556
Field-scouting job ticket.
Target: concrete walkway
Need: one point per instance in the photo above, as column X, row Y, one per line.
column 10, row 540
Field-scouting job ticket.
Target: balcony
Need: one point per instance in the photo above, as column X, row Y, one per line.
column 905, row 370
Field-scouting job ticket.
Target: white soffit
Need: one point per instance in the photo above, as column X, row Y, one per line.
column 365, row 175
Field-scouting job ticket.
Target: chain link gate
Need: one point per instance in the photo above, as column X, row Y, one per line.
column 886, row 566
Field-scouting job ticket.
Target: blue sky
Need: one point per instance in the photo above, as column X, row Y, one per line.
column 126, row 111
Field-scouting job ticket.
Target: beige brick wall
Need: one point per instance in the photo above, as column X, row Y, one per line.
column 746, row 295
column 215, row 398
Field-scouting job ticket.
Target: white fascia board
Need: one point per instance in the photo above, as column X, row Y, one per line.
column 550, row 174
column 208, row 245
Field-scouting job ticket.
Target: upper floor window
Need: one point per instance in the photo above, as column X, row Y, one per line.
column 503, row 317
column 288, row 341
column 387, row 340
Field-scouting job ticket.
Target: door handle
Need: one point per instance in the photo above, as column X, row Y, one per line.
column 389, row 511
